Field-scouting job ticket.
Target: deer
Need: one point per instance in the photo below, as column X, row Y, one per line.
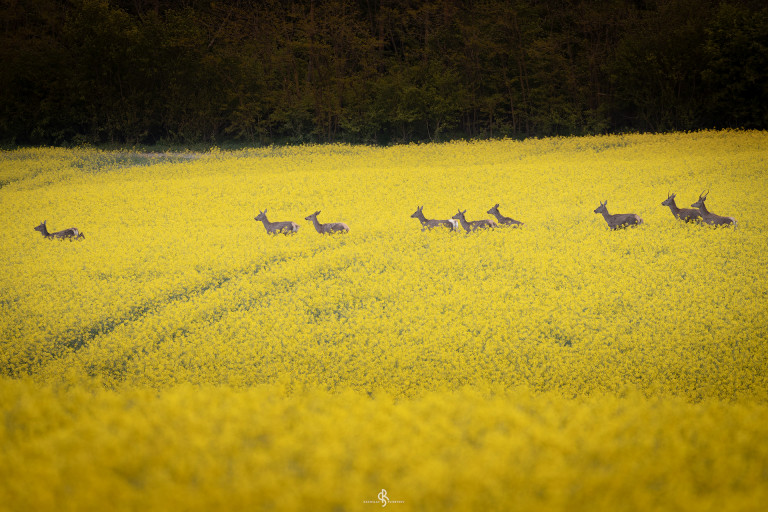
column 433, row 223
column 274, row 228
column 504, row 221
column 475, row 224
column 329, row 228
column 685, row 214
column 709, row 217
column 618, row 220
column 70, row 234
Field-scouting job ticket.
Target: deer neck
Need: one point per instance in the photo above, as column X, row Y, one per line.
column 674, row 208
column 498, row 216
column 44, row 231
column 704, row 211
column 318, row 226
column 607, row 216
column 266, row 223
column 464, row 223
column 421, row 217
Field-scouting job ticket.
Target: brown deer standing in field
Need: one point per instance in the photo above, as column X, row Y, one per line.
column 273, row 228
column 71, row 233
column 686, row 214
column 330, row 228
column 475, row 224
column 504, row 221
column 433, row 223
column 618, row 220
column 709, row 217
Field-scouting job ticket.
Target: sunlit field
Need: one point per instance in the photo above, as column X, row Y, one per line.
column 180, row 358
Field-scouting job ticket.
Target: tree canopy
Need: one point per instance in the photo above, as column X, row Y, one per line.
column 375, row 71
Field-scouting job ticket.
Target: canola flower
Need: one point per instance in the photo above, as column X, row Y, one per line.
column 202, row 448
column 181, row 356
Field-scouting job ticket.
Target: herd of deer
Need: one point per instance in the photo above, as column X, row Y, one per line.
column 698, row 213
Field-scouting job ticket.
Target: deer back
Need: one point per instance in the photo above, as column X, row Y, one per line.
column 335, row 227
column 285, row 227
column 624, row 219
column 483, row 224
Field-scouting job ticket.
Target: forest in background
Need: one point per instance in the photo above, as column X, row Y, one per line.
column 375, row 71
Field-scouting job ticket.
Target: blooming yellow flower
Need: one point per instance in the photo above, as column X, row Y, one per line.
column 181, row 357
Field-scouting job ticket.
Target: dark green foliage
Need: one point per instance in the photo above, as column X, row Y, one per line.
column 160, row 71
column 736, row 71
column 656, row 71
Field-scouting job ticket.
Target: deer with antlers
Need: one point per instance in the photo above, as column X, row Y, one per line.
column 475, row 224
column 504, row 221
column 684, row 214
column 433, row 223
column 709, row 217
column 274, row 228
column 618, row 220
column 70, row 234
column 329, row 228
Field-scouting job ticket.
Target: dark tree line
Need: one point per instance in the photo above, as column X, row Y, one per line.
column 375, row 71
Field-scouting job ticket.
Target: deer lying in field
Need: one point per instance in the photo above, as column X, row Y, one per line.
column 273, row 228
column 71, row 233
column 709, row 217
column 618, row 220
column 475, row 224
column 433, row 223
column 504, row 221
column 330, row 228
column 685, row 214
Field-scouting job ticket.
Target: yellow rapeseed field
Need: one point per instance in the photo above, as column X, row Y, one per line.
column 180, row 358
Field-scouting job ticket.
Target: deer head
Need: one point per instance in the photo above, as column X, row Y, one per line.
column 41, row 228
column 417, row 213
column 459, row 215
column 313, row 216
column 495, row 209
column 669, row 201
column 700, row 202
column 262, row 215
column 602, row 208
